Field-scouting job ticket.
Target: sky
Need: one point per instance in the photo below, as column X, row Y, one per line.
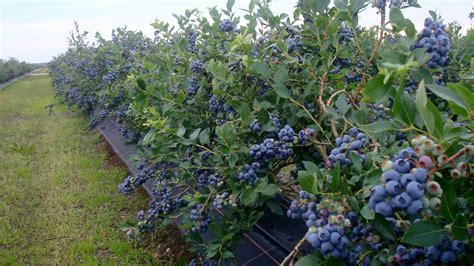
column 36, row 30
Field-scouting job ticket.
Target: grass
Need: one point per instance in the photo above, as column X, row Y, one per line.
column 58, row 202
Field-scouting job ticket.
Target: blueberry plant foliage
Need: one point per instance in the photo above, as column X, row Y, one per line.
column 368, row 131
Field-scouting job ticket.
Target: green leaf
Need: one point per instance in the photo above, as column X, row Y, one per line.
column 459, row 228
column 380, row 126
column 308, row 181
column 356, row 163
column 204, row 136
column 141, row 84
column 342, row 104
column 447, row 94
column 249, row 197
column 464, row 93
column 230, row 4
column 262, row 69
column 274, row 207
column 269, row 190
column 321, row 5
column 281, row 75
column 233, row 158
column 309, row 260
column 449, row 202
column 282, row 91
column 341, row 5
column 424, row 234
column 404, row 107
column 244, row 112
column 195, row 134
column 311, row 167
column 367, row 213
column 376, row 91
column 429, row 113
column 333, row 261
column 181, row 131
column 384, row 228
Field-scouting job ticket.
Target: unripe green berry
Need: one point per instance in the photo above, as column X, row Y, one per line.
column 312, row 229
column 438, row 150
column 462, row 166
column 442, row 159
column 433, row 188
column 435, row 204
column 455, row 173
column 428, row 145
column 387, row 165
column 426, row 202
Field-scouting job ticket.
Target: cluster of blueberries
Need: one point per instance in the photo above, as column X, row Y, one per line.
column 405, row 188
column 270, row 149
column 305, row 134
column 163, row 204
column 294, row 43
column 353, row 142
column 249, row 175
column 377, row 112
column 206, row 178
column 255, row 126
column 196, row 66
column 345, row 34
column 215, row 104
column 110, row 76
column 436, row 41
column 352, row 77
column 145, row 172
column 326, row 229
column 201, row 219
column 192, row 36
column 410, row 86
column 226, row 25
column 446, row 251
column 219, row 201
column 193, row 86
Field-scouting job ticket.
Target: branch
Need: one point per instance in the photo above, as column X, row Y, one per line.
column 450, row 160
column 373, row 55
column 293, row 252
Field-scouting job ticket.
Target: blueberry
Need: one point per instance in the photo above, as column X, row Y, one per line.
column 406, row 179
column 393, row 188
column 457, row 247
column 378, row 193
column 402, row 200
column 383, row 208
column 402, row 166
column 415, row 190
column 432, row 253
column 414, row 207
column 335, row 238
column 391, row 175
column 420, row 174
column 323, row 235
column 448, row 257
column 326, row 248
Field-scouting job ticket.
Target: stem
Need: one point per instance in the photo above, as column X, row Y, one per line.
column 293, row 252
column 205, row 148
column 373, row 55
column 308, row 112
column 450, row 160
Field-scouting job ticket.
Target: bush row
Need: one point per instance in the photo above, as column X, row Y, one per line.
column 368, row 131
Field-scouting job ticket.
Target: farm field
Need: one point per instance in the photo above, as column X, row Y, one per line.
column 58, row 191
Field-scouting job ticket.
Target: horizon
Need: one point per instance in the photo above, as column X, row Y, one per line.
column 47, row 24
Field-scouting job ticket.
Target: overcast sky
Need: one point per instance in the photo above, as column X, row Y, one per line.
column 35, row 31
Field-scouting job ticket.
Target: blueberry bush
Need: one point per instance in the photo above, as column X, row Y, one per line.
column 13, row 68
column 367, row 131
